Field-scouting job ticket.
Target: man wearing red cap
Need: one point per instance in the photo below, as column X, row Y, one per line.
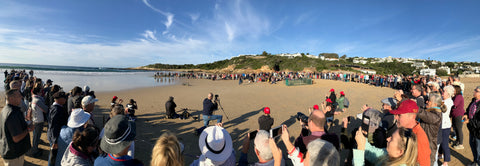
column 265, row 121
column 406, row 115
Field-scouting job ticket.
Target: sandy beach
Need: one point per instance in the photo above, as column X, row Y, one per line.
column 243, row 104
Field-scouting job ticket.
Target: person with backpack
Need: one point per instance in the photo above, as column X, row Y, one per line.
column 343, row 103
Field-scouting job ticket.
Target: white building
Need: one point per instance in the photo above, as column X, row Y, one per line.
column 446, row 68
column 290, row 55
column 312, row 56
column 419, row 65
column 430, row 72
column 360, row 61
column 368, row 71
column 331, row 59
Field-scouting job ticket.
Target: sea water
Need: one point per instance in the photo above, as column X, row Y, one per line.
column 99, row 79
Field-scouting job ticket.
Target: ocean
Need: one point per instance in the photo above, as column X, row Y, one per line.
column 99, row 79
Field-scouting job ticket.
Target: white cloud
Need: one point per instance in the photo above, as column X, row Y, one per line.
column 148, row 34
column 34, row 48
column 239, row 19
column 168, row 15
column 194, row 17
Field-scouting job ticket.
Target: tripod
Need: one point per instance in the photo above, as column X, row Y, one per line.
column 218, row 101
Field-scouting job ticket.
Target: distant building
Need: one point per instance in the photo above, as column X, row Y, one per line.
column 360, row 61
column 446, row 68
column 290, row 55
column 430, row 72
column 368, row 71
column 419, row 65
column 312, row 56
column 331, row 59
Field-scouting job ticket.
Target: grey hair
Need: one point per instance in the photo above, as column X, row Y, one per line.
column 261, row 144
column 436, row 98
column 323, row 153
column 478, row 87
column 418, row 87
column 450, row 90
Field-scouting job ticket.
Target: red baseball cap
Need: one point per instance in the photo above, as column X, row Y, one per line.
column 266, row 110
column 315, row 107
column 407, row 106
column 332, row 90
column 328, row 100
column 341, row 93
column 115, row 97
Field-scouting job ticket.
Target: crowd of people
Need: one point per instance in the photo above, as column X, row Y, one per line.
column 392, row 81
column 72, row 133
column 412, row 127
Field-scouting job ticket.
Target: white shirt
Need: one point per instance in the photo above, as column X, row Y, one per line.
column 446, row 123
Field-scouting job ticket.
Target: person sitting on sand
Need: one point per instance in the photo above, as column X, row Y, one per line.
column 170, row 109
column 265, row 122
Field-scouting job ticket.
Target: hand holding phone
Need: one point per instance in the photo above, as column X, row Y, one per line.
column 275, row 132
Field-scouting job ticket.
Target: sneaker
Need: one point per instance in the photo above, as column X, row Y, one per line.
column 459, row 147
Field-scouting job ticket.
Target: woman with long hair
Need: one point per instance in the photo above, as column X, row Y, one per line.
column 401, row 149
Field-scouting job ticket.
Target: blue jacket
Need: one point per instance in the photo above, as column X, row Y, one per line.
column 63, row 140
column 58, row 117
column 208, row 107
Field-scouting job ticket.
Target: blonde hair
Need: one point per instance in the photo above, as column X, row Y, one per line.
column 410, row 151
column 167, row 151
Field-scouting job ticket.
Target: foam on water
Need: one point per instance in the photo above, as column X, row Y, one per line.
column 98, row 79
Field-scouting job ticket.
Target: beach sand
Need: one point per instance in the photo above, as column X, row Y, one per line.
column 243, row 104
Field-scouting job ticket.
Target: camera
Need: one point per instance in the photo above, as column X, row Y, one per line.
column 302, row 117
column 216, row 96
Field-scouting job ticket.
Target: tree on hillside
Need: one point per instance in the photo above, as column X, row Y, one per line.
column 450, row 64
column 343, row 56
column 329, row 55
column 265, row 53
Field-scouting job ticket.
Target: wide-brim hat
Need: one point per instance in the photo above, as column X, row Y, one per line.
column 119, row 134
column 215, row 143
column 77, row 118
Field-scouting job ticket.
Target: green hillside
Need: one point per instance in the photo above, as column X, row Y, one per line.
column 281, row 63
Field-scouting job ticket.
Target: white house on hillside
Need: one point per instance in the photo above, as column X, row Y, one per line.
column 430, row 72
column 446, row 68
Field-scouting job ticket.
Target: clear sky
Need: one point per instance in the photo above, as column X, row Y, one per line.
column 130, row 33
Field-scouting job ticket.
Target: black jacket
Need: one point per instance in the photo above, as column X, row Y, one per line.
column 170, row 107
column 209, row 107
column 474, row 124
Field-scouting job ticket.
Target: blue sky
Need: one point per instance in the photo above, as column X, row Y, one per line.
column 130, row 33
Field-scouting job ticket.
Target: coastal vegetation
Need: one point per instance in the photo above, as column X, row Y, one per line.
column 304, row 61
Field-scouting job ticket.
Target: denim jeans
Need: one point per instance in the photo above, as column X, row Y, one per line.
column 475, row 146
column 52, row 155
column 207, row 118
column 37, row 132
